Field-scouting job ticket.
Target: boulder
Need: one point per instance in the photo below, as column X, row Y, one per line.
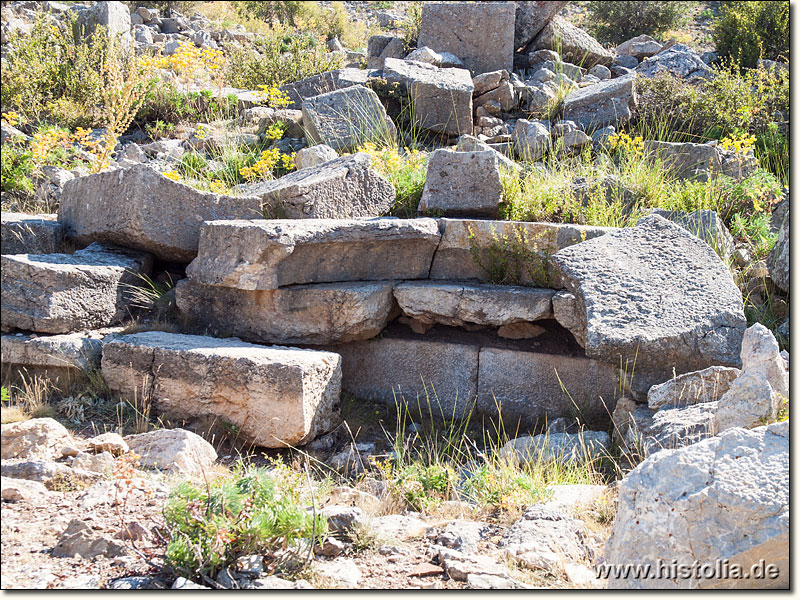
column 574, row 44
column 680, row 60
column 461, row 565
column 265, row 255
column 108, row 442
column 761, row 353
column 531, row 139
column 668, row 428
column 778, row 260
column 655, row 296
column 275, row 396
column 481, row 35
column 504, row 95
column 80, row 540
column 291, row 118
column 587, row 445
column 441, row 98
column 706, row 225
column 173, row 450
column 343, row 188
column 381, row 47
column 400, row 527
column 463, row 184
column 113, row 16
column 606, row 103
column 343, row 519
column 31, row 234
column 531, row 18
column 22, row 490
column 53, row 475
column 159, row 215
column 34, row 439
column 313, row 156
column 323, row 83
column 724, row 498
column 569, row 313
column 454, row 304
column 60, row 293
column 707, row 385
column 326, row 313
column 684, row 160
column 640, row 47
column 468, row 143
column 346, row 119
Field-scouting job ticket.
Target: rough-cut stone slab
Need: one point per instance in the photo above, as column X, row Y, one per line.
column 705, row 224
column 324, row 83
column 275, row 396
column 655, row 296
column 264, row 255
column 454, row 258
column 669, row 428
column 344, row 188
column 391, row 369
column 345, row 119
column 31, row 234
column 458, row 303
column 723, row 498
column 586, row 445
column 442, row 98
column 684, row 160
column 778, row 261
column 140, row 208
column 61, row 293
column 602, row 104
column 707, row 385
column 534, row 385
column 463, row 184
column 531, row 17
column 574, row 44
column 68, row 351
column 680, row 60
column 173, row 450
column 327, row 313
column 481, row 35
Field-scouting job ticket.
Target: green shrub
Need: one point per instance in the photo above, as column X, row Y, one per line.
column 255, row 512
column 166, row 105
column 748, row 31
column 286, row 12
column 616, row 22
column 16, row 165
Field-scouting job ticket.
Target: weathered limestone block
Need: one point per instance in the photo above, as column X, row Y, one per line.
column 61, row 293
column 531, row 17
column 324, row 83
column 264, row 255
column 31, row 234
column 602, row 104
column 574, row 44
column 327, row 313
column 53, row 352
column 707, row 385
column 276, row 396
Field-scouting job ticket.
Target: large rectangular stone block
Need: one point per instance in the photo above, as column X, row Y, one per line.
column 264, row 255
column 276, row 396
column 31, row 234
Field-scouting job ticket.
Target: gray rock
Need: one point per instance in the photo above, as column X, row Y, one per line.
column 293, row 119
column 640, row 47
column 173, row 451
column 343, row 188
column 468, row 143
column 463, row 184
column 275, row 396
column 137, row 583
column 31, row 234
column 655, row 295
column 494, row 582
column 531, row 139
column 60, row 293
column 323, row 83
column 481, row 35
column 503, row 94
column 313, row 156
column 557, row 67
column 113, row 16
column 586, row 445
column 69, row 351
column 760, row 352
column 102, row 463
column 568, row 311
column 778, row 260
column 574, row 44
column 265, row 255
column 455, row 304
column 425, row 55
column 706, row 225
column 684, row 160
column 605, row 103
column 301, row 314
column 35, row 438
column 346, row 119
column 159, row 215
column 707, row 385
column 53, row 475
column 7, row 133
column 531, row 18
column 342, row 572
column 50, row 184
column 184, row 584
column 601, row 72
column 271, row 582
column 381, row 47
column 81, row 540
column 723, row 498
column 343, row 519
column 668, row 428
column 680, row 60
column 22, row 490
column 460, row 565
column 442, row 98
column 142, row 34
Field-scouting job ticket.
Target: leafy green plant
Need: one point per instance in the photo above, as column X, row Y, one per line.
column 516, row 259
column 615, row 22
column 406, row 170
column 16, row 166
column 748, row 31
column 211, row 525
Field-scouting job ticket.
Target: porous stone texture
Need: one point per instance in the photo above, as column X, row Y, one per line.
column 680, row 60
column 455, row 256
column 723, row 498
column 657, row 296
column 707, row 385
column 324, row 83
column 265, row 255
column 173, row 451
column 530, row 19
column 534, row 385
column 343, row 188
column 345, row 119
column 602, row 104
column 468, row 143
column 30, row 234
column 276, row 396
column 390, row 369
column 313, row 156
column 463, row 184
column 68, row 351
column 34, row 439
column 531, row 139
column 159, row 216
column 61, row 293
column 442, row 98
column 327, row 313
column 574, row 44
column 705, row 224
column 455, row 303
column 568, row 311
column 778, row 260
column 668, row 428
column 481, row 35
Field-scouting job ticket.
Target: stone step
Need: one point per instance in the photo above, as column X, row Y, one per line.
column 276, row 396
column 62, row 293
column 30, row 234
column 327, row 313
column 265, row 255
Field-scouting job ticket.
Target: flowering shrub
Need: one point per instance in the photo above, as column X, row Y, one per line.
column 406, row 171
column 273, row 96
column 271, row 161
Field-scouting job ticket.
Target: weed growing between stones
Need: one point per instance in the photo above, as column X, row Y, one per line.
column 518, row 259
column 406, row 170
